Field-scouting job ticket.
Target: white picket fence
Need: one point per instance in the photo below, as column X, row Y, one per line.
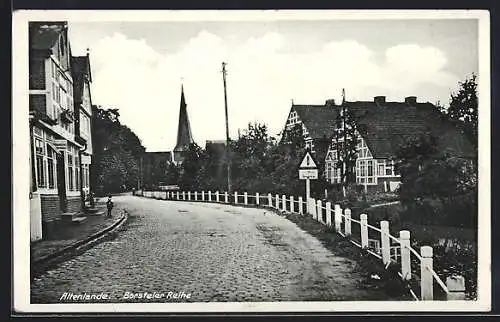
column 388, row 248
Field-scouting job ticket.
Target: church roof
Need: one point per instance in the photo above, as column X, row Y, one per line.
column 184, row 136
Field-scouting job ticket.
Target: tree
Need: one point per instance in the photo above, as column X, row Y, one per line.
column 116, row 152
column 464, row 106
column 192, row 167
column 345, row 141
column 436, row 188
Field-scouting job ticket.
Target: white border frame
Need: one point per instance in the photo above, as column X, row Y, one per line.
column 20, row 145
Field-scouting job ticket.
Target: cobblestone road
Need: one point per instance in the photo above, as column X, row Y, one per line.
column 214, row 252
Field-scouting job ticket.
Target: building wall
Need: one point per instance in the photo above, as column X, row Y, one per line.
column 35, row 217
column 370, row 172
column 51, row 207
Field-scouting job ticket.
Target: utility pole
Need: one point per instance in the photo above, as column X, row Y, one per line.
column 228, row 149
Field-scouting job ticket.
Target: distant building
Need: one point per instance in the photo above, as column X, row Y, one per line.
column 184, row 136
column 55, row 146
column 160, row 169
column 380, row 127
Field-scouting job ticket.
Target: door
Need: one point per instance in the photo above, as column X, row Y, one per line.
column 61, row 181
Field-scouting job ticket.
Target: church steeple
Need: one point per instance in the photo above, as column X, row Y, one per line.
column 184, row 136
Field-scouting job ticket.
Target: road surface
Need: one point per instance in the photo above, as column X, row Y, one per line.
column 213, row 252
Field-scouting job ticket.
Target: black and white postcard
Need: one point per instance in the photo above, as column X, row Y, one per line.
column 251, row 161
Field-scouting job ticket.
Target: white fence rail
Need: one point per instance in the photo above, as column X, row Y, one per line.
column 390, row 249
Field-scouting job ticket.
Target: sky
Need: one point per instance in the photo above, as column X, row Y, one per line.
column 138, row 67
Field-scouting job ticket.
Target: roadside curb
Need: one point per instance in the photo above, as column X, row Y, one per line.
column 41, row 264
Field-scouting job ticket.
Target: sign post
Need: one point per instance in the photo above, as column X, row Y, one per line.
column 308, row 171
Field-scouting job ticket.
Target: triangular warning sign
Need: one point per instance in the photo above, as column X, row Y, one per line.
column 307, row 162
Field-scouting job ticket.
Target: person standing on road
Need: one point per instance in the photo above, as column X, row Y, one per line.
column 109, row 205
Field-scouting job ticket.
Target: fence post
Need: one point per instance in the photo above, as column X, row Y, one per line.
column 184, row 195
column 257, row 198
column 338, row 217
column 235, row 197
column 168, row 194
column 277, row 202
column 189, row 195
column 319, row 211
column 196, row 195
column 245, row 197
column 456, row 287
column 217, row 196
column 385, row 242
column 209, row 195
column 178, row 195
column 292, row 205
column 312, row 206
column 347, row 227
column 328, row 207
column 426, row 278
column 283, row 202
column 225, row 197
column 404, row 240
column 301, row 206
column 203, row 195
column 270, row 199
column 364, row 230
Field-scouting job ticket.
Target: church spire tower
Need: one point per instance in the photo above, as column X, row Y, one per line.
column 184, row 136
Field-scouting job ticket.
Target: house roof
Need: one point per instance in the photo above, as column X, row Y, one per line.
column 385, row 125
column 80, row 66
column 318, row 119
column 44, row 35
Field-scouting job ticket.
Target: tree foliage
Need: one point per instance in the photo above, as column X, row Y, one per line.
column 345, row 141
column 436, row 188
column 116, row 153
column 258, row 163
column 464, row 107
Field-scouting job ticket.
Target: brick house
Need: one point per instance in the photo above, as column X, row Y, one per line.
column 55, row 151
column 380, row 127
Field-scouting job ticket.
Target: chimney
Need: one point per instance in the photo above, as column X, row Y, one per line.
column 411, row 100
column 330, row 102
column 379, row 99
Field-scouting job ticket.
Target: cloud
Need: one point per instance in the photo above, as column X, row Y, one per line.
column 262, row 79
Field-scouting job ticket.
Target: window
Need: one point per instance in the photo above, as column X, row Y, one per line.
column 51, row 169
column 40, row 166
column 70, row 171
column 77, row 173
column 381, row 168
column 61, row 46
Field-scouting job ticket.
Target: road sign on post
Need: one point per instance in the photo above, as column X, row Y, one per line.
column 308, row 171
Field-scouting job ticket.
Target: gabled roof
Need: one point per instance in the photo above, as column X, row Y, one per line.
column 385, row 125
column 80, row 67
column 44, row 35
column 319, row 120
